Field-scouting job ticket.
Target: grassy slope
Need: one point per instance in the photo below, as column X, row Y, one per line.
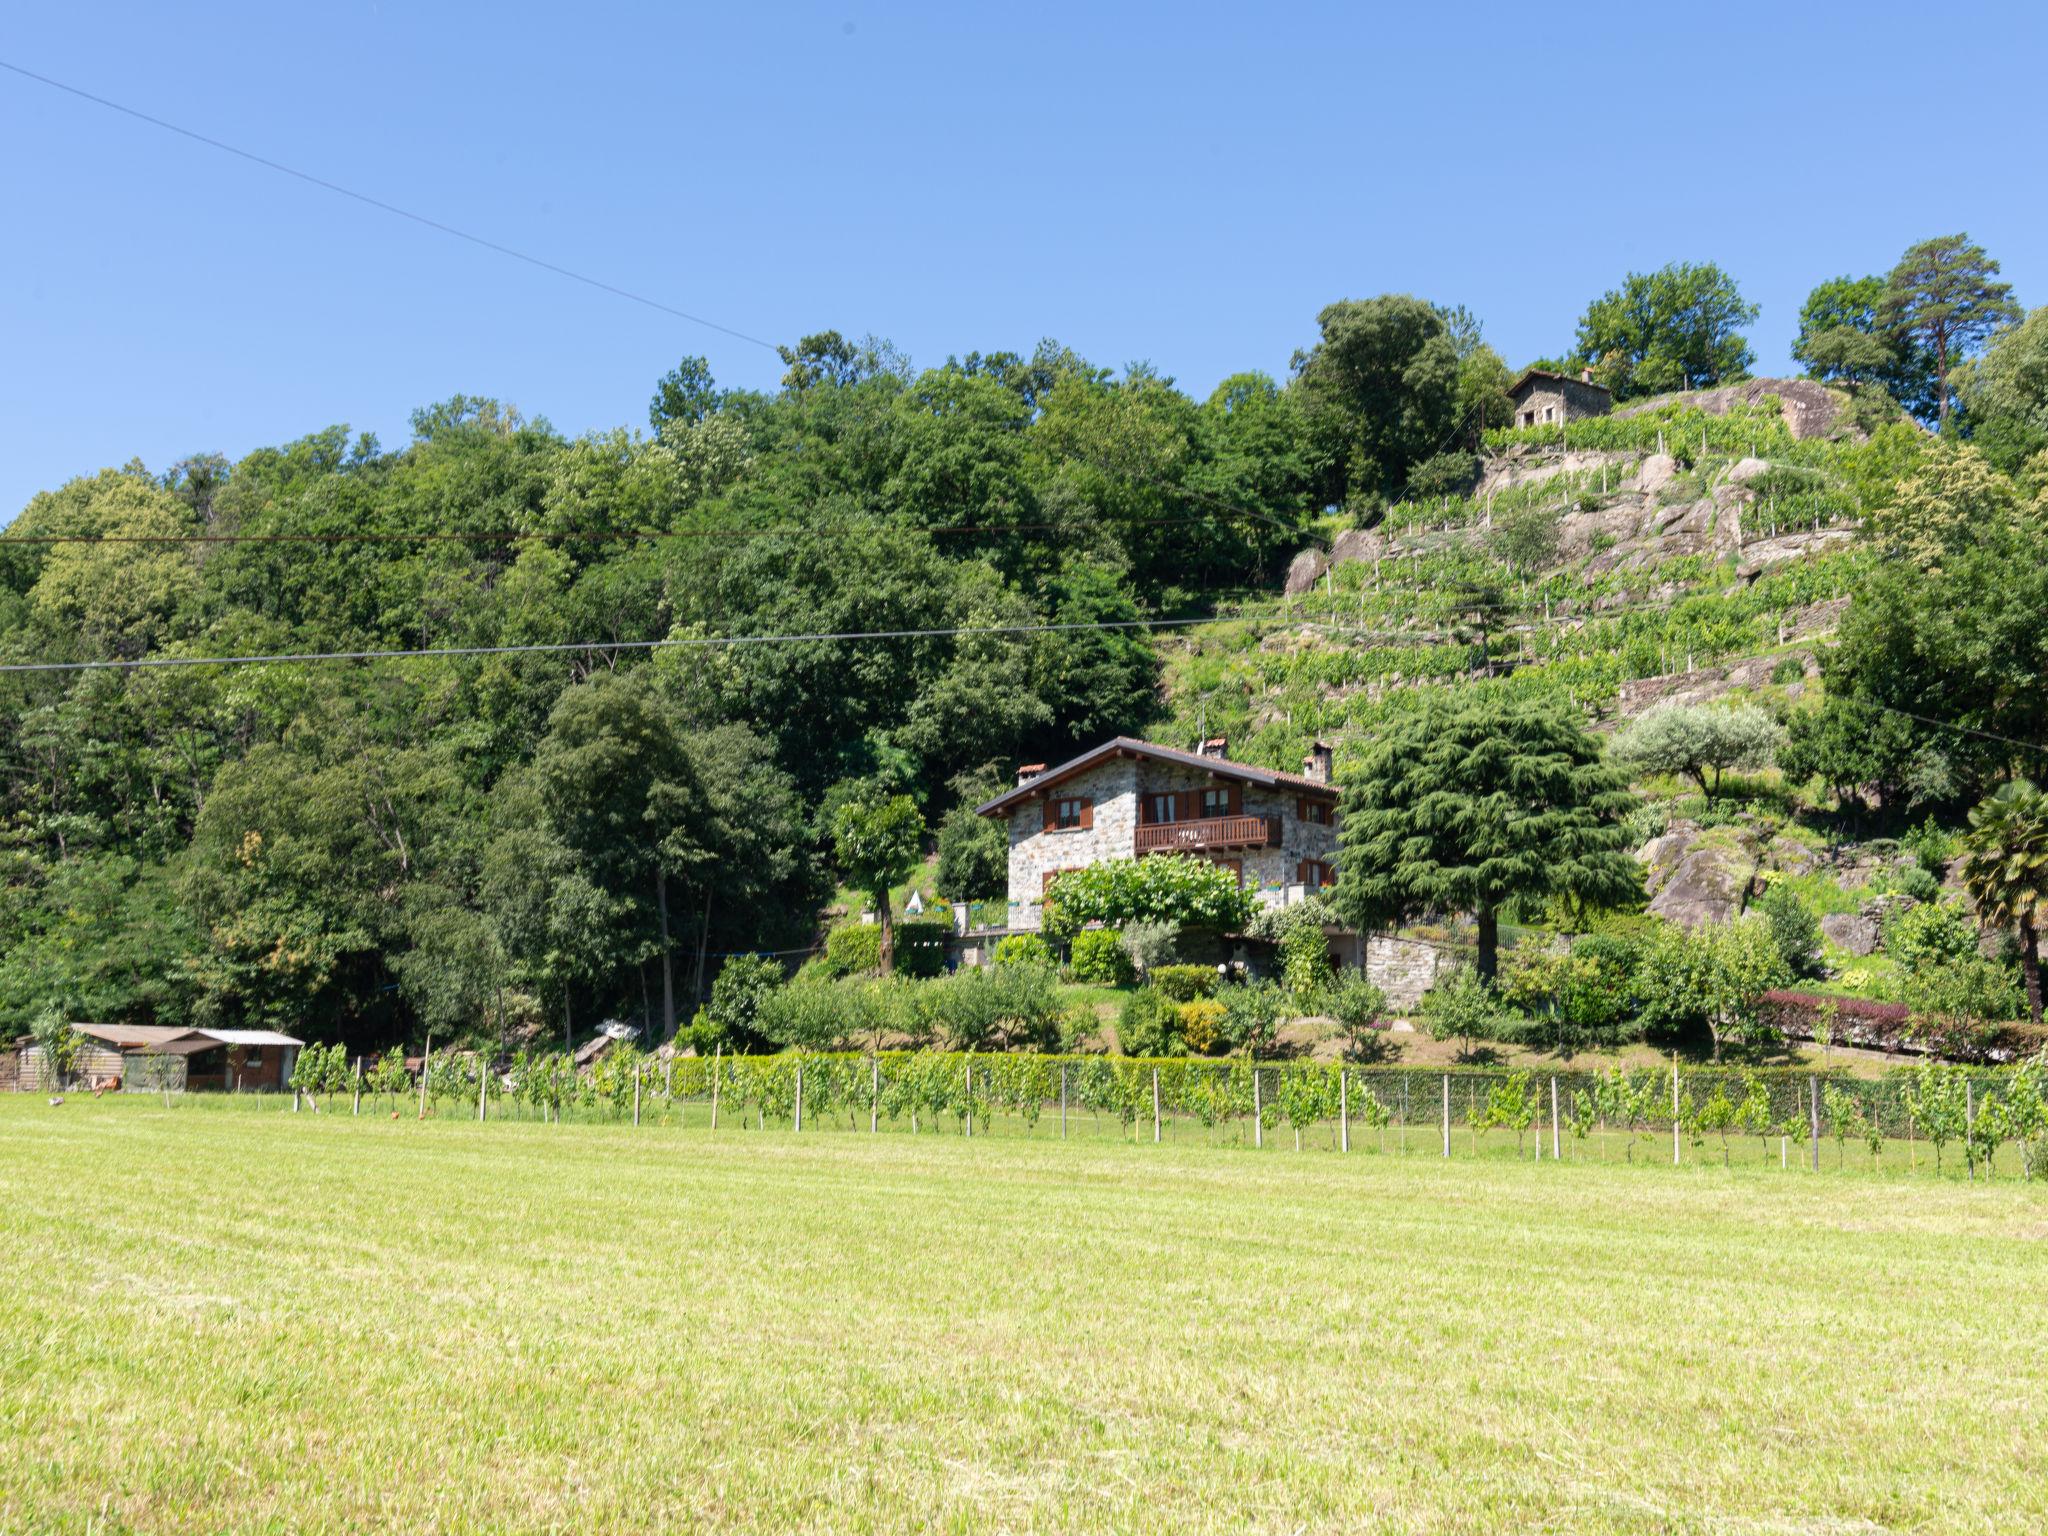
column 239, row 1321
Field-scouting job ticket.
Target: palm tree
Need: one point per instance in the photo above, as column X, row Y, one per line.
column 2005, row 867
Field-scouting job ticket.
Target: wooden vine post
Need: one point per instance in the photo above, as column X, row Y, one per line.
column 874, row 1093
column 1447, row 1114
column 1554, row 1152
column 1063, row 1101
column 967, row 1104
column 1258, row 1111
column 1155, row 1106
column 1970, row 1129
column 359, row 1087
column 1344, row 1109
column 799, row 1123
column 1813, row 1118
column 1674, row 1109
column 483, row 1077
column 426, row 1057
column 717, row 1057
column 638, row 1073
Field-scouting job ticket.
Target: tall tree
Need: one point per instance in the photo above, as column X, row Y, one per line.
column 1844, row 338
column 1679, row 327
column 877, row 839
column 1381, row 392
column 1465, row 807
column 2005, row 867
column 1944, row 295
column 2004, row 393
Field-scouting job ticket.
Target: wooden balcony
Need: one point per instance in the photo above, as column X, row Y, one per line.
column 1207, row 833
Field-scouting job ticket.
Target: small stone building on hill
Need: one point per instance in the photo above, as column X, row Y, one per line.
column 1544, row 398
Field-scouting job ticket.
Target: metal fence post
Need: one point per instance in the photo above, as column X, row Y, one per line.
column 1344, row 1109
column 874, row 1093
column 799, row 1122
column 1258, row 1110
column 1813, row 1117
column 1155, row 1106
column 1447, row 1114
column 1063, row 1101
column 1553, row 1120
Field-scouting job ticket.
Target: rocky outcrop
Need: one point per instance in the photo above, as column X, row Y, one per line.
column 1305, row 570
column 1852, row 931
column 1809, row 409
column 1693, row 881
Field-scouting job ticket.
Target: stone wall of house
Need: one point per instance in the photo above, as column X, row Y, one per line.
column 1404, row 969
column 1565, row 399
column 1036, row 852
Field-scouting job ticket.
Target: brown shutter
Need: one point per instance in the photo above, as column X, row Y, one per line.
column 1051, row 813
column 1087, row 814
column 1236, row 800
column 1184, row 805
column 1301, row 873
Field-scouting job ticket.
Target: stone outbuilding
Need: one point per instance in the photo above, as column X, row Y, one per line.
column 1543, row 398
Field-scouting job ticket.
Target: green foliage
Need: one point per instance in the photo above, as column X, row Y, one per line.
column 854, row 949
column 1714, row 975
column 1252, row 1011
column 1700, row 742
column 1468, row 807
column 743, row 983
column 1675, row 328
column 1573, row 998
column 1183, row 983
column 974, row 855
column 1149, row 1024
column 1927, row 934
column 1098, row 956
column 1461, row 1006
column 1794, row 930
column 1022, row 949
column 1305, row 964
column 2005, row 870
column 921, row 948
column 1380, row 392
column 1944, row 297
column 1151, row 945
column 1165, row 888
column 877, row 839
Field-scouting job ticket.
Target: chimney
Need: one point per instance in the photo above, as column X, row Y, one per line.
column 1026, row 772
column 1214, row 746
column 1318, row 762
column 1585, row 375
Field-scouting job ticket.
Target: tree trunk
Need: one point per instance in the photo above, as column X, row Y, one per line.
column 668, row 968
column 888, row 930
column 1489, row 942
column 703, row 943
column 2030, row 968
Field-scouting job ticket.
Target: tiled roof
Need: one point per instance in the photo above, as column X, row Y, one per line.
column 1119, row 746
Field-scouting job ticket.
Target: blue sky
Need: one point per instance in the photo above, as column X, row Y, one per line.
column 1180, row 184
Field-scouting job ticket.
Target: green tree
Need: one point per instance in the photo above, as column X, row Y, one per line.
column 1164, row 888
column 1844, row 338
column 2005, row 393
column 1380, row 389
column 1716, row 975
column 1944, row 296
column 1467, row 806
column 2005, row 870
column 1700, row 742
column 1676, row 328
column 974, row 855
column 878, row 840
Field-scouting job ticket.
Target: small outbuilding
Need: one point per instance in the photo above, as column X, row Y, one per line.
column 1543, row 398
column 153, row 1058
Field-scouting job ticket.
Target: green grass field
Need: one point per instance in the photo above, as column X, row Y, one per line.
column 256, row 1321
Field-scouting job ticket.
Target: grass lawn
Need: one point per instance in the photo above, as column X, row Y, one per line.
column 244, row 1320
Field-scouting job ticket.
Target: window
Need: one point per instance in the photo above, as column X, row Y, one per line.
column 1315, row 874
column 1316, row 811
column 1215, row 802
column 1548, row 412
column 1069, row 813
column 1158, row 809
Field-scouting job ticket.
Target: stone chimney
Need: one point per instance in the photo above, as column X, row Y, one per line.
column 1585, row 375
column 1026, row 772
column 1214, row 746
column 1318, row 763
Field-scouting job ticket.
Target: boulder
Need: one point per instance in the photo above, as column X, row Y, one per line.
column 1658, row 470
column 1362, row 545
column 1707, row 885
column 1851, row 931
column 1305, row 570
column 1745, row 470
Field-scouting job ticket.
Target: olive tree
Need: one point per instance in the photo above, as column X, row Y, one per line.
column 1699, row 742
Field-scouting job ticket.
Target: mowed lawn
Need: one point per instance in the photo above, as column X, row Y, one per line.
column 259, row 1321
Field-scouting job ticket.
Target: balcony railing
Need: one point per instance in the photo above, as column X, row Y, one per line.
column 1209, row 832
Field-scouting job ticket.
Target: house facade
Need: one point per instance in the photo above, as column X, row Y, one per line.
column 1543, row 398
column 1276, row 832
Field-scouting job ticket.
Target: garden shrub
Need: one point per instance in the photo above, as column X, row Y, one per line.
column 1098, row 955
column 1002, row 1008
column 806, row 1016
column 1022, row 949
column 1462, row 1007
column 1305, row 963
column 920, row 949
column 1794, row 929
column 1252, row 1012
column 1857, row 1020
column 854, row 949
column 1150, row 1025
column 737, row 992
column 1359, row 1007
column 1929, row 934
column 1151, row 945
column 1201, row 1025
column 1184, row 983
column 1912, row 881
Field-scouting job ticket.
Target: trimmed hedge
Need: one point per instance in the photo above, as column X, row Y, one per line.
column 921, row 948
column 1098, row 955
column 1891, row 1027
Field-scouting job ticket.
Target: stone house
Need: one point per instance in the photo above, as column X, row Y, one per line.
column 1542, row 397
column 1276, row 832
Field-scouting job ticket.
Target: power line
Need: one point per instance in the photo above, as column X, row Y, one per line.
column 391, row 208
column 571, row 647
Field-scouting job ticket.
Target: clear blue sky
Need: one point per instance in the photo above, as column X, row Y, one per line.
column 1175, row 183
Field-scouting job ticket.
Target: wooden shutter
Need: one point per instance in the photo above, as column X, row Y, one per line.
column 1087, row 814
column 1236, row 803
column 1301, row 873
column 1051, row 813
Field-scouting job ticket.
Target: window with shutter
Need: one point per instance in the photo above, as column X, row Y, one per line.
column 1073, row 813
column 1216, row 802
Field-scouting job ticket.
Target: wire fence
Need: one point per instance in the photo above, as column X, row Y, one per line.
column 1944, row 1116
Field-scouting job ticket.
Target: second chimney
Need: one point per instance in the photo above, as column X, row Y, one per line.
column 1215, row 746
column 1026, row 772
column 1317, row 764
